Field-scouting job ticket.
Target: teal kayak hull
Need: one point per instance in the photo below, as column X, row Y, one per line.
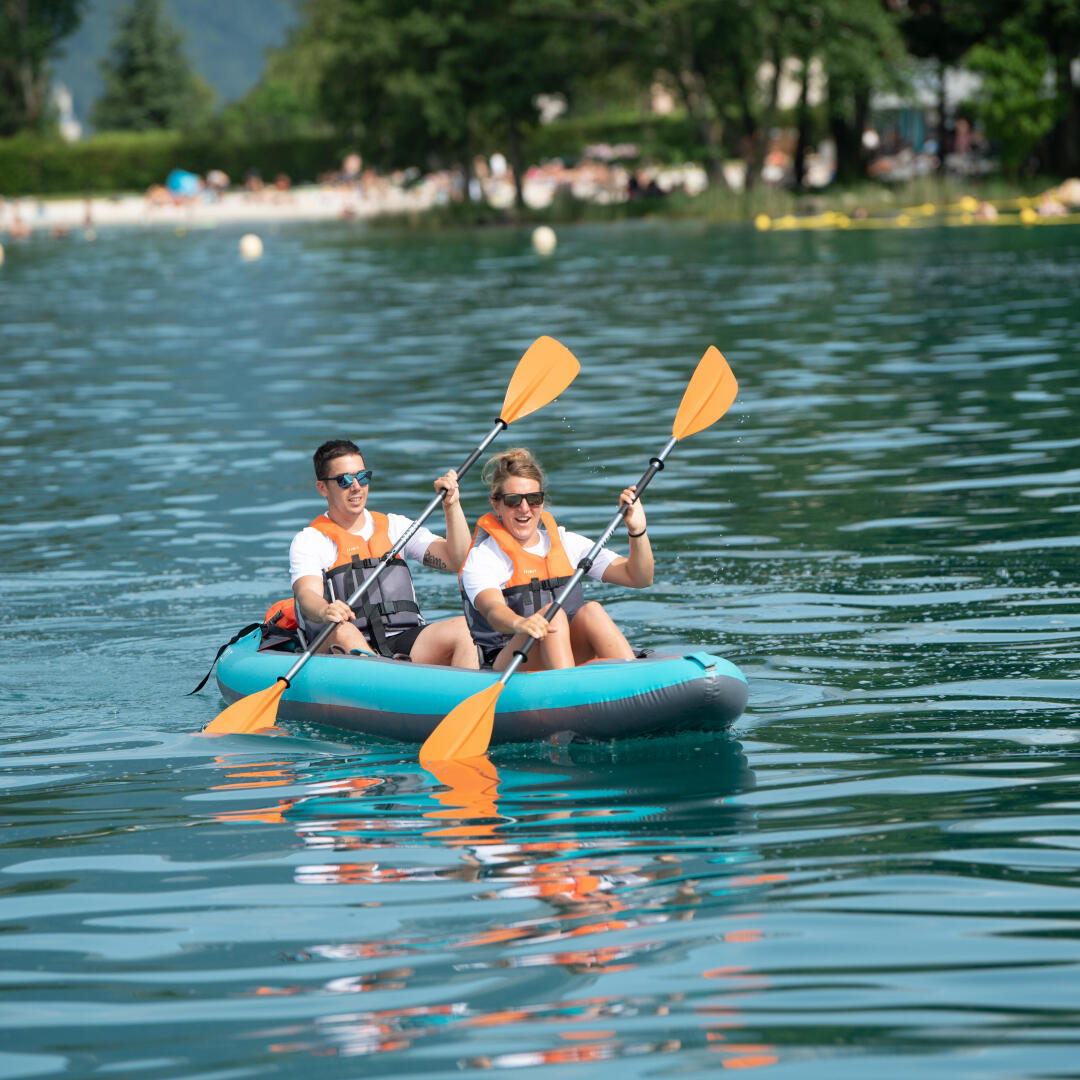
column 394, row 699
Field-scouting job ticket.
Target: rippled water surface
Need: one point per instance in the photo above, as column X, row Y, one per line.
column 875, row 873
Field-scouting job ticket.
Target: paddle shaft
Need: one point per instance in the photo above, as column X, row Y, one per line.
column 585, row 565
column 406, row 536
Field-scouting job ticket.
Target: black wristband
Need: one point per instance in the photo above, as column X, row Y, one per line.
column 634, row 536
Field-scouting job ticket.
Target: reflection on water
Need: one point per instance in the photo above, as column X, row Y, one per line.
column 875, row 873
column 579, row 866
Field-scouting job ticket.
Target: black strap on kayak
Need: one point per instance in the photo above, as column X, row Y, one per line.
column 232, row 641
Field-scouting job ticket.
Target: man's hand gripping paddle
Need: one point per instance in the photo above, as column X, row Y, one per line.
column 466, row 730
column 544, row 372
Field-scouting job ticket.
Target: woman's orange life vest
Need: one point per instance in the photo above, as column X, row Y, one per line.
column 533, row 584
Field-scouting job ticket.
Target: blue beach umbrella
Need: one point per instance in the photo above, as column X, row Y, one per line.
column 181, row 182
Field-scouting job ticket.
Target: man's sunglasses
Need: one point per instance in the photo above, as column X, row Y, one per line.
column 347, row 479
column 533, row 498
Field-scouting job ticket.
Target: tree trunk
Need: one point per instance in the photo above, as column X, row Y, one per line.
column 761, row 146
column 710, row 150
column 847, row 116
column 943, row 104
column 517, row 163
column 1065, row 139
column 749, row 126
column 692, row 90
column 803, row 141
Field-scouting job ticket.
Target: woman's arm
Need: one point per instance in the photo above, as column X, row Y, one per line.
column 491, row 605
column 635, row 571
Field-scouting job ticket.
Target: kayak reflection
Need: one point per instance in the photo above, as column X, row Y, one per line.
column 571, row 865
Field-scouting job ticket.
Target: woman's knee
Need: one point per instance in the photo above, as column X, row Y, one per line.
column 591, row 613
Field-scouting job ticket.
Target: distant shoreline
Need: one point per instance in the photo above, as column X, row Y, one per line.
column 28, row 215
column 427, row 206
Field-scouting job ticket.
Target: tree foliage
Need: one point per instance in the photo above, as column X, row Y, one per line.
column 31, row 32
column 1018, row 110
column 150, row 83
column 430, row 82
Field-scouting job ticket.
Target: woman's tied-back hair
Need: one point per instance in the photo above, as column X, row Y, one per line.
column 517, row 461
column 330, row 450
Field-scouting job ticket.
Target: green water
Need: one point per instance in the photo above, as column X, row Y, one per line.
column 875, row 873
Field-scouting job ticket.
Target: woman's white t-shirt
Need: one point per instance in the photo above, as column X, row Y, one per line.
column 489, row 567
column 312, row 552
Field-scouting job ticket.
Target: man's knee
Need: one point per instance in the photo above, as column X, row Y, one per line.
column 559, row 619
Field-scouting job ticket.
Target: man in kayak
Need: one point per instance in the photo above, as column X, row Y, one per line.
column 520, row 559
column 331, row 557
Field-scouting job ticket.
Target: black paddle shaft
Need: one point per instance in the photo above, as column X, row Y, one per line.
column 585, row 565
column 406, row 536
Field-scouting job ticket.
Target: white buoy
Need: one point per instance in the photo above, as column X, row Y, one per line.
column 544, row 239
column 251, row 247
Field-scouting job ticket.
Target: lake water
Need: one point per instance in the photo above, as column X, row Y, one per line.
column 875, row 873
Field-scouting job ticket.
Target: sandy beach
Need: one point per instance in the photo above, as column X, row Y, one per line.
column 590, row 181
column 29, row 215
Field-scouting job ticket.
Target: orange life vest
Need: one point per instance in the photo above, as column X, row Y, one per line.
column 533, row 583
column 390, row 604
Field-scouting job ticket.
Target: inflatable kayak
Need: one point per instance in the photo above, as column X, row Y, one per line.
column 404, row 701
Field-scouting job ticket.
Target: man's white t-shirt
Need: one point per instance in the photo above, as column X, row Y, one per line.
column 312, row 552
column 489, row 567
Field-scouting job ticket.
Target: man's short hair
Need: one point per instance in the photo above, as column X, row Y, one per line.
column 329, row 450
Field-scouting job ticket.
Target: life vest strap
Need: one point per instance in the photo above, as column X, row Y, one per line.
column 392, row 607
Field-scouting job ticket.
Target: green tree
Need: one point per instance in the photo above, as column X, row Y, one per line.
column 1057, row 23
column 149, row 81
column 1014, row 103
column 943, row 31
column 861, row 49
column 429, row 82
column 31, row 32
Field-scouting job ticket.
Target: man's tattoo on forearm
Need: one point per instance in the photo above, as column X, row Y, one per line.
column 434, row 561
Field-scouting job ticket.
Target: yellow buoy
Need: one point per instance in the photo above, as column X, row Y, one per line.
column 544, row 240
column 1, row 254
column 1028, row 215
column 251, row 247
column 763, row 222
column 969, row 204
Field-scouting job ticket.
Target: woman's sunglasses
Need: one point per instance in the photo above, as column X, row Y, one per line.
column 533, row 498
column 347, row 479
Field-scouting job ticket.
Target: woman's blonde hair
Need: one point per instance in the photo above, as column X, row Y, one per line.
column 517, row 461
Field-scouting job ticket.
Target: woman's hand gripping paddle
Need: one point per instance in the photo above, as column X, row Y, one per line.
column 466, row 730
column 542, row 374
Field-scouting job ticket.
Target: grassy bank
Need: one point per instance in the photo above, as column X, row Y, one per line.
column 869, row 198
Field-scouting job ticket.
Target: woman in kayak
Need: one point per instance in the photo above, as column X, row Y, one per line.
column 520, row 559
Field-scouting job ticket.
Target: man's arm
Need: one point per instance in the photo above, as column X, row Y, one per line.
column 449, row 554
column 313, row 605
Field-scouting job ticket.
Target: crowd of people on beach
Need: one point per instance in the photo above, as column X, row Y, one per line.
column 604, row 174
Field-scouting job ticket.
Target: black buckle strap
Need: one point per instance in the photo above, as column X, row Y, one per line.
column 232, row 641
column 392, row 607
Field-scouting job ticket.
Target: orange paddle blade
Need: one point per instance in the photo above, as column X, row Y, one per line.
column 543, row 373
column 251, row 713
column 465, row 731
column 709, row 395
